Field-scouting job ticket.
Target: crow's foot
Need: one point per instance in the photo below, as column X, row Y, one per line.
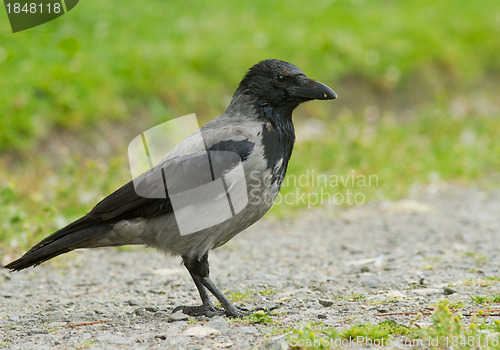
column 202, row 310
column 266, row 310
column 242, row 312
column 211, row 311
column 238, row 312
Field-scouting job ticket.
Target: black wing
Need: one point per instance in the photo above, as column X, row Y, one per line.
column 145, row 197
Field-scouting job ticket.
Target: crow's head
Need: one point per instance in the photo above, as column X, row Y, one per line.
column 282, row 84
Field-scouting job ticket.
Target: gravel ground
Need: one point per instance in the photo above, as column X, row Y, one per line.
column 399, row 255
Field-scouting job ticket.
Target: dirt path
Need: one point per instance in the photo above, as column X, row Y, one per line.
column 398, row 255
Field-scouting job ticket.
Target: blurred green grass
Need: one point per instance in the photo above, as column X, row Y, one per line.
column 358, row 162
column 104, row 62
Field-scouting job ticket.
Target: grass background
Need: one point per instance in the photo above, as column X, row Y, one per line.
column 417, row 84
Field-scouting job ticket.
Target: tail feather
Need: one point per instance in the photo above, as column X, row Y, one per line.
column 123, row 204
column 66, row 240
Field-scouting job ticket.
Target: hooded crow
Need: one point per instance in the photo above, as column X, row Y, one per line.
column 250, row 145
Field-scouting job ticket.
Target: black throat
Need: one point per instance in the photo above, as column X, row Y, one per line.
column 278, row 137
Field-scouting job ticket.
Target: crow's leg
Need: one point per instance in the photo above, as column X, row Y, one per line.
column 230, row 309
column 206, row 308
column 199, row 271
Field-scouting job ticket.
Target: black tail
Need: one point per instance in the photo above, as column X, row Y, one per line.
column 62, row 241
column 123, row 204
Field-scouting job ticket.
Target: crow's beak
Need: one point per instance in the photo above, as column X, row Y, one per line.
column 312, row 90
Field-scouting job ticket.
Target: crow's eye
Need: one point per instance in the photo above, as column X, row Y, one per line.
column 280, row 78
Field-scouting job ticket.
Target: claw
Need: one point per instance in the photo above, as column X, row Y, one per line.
column 242, row 312
column 266, row 310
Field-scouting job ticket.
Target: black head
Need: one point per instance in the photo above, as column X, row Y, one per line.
column 281, row 84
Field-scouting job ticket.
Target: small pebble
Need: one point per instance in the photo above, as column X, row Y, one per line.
column 140, row 311
column 449, row 291
column 178, row 316
column 325, row 302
